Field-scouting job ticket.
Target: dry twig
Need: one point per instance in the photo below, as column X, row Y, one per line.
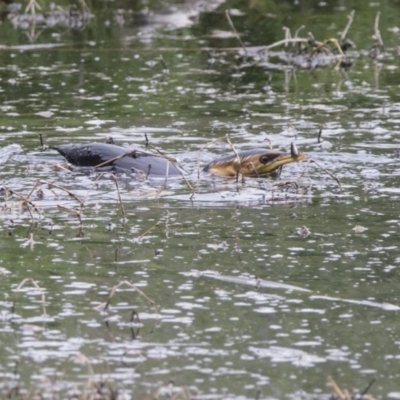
column 228, row 17
column 126, row 283
column 35, row 285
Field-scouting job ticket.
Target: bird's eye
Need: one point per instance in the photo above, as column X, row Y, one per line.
column 264, row 159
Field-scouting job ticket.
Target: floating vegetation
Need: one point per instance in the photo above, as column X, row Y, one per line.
column 35, row 19
column 308, row 52
column 72, row 17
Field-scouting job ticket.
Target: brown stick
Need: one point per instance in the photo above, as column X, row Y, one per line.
column 119, row 195
column 336, row 388
column 22, row 284
column 157, row 225
column 50, row 184
column 330, row 174
column 34, row 187
column 28, row 202
column 114, row 289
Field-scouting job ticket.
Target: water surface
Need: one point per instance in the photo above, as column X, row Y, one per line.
column 262, row 286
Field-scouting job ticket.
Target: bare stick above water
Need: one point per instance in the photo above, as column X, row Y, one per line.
column 51, row 184
column 25, row 201
column 238, row 159
column 377, row 32
column 228, row 17
column 34, row 284
column 284, row 42
column 157, row 225
column 119, row 195
column 126, row 283
column 346, row 29
column 41, row 140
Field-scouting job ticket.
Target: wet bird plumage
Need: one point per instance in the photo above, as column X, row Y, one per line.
column 95, row 154
column 254, row 162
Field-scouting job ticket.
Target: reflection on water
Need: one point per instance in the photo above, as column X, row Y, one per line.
column 262, row 286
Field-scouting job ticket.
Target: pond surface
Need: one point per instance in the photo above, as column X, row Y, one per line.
column 261, row 288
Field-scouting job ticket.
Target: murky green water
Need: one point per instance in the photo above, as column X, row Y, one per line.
column 246, row 300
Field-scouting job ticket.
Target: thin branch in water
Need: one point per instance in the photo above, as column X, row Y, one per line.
column 306, row 164
column 187, row 182
column 329, row 173
column 82, row 358
column 346, row 29
column 78, row 213
column 284, row 42
column 159, row 153
column 147, row 173
column 223, row 138
column 200, row 150
column 9, row 394
column 50, row 184
column 319, row 137
column 114, row 178
column 270, row 143
column 377, row 32
column 93, row 183
column 365, row 391
column 42, row 291
column 41, row 141
column 111, row 160
column 238, row 159
column 33, row 188
column 119, row 195
column 181, row 174
column 287, row 34
column 324, row 45
column 135, row 151
column 85, row 8
column 296, row 34
column 228, row 17
column 173, row 161
column 252, row 166
column 336, row 388
column 27, row 202
column 132, row 321
column 157, row 225
column 163, row 62
column 31, row 7
column 61, row 166
column 126, row 283
column 165, row 181
column 133, row 315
